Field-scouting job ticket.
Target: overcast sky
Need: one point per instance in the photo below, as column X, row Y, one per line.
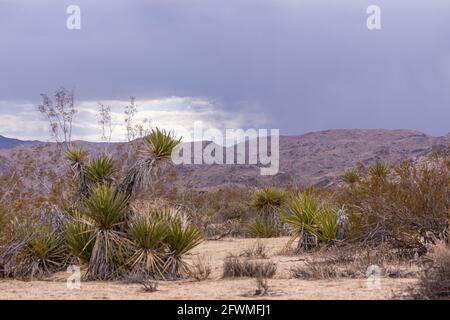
column 296, row 65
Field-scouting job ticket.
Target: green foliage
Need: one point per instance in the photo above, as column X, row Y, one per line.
column 160, row 144
column 100, row 170
column 105, row 207
column 261, row 228
column 380, row 170
column 351, row 176
column 46, row 248
column 80, row 237
column 76, row 156
column 268, row 199
column 307, row 212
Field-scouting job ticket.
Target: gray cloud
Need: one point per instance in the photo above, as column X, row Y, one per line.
column 303, row 65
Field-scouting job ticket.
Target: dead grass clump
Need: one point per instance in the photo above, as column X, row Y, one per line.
column 234, row 267
column 257, row 251
column 201, row 269
column 148, row 284
column 351, row 263
column 262, row 287
column 434, row 282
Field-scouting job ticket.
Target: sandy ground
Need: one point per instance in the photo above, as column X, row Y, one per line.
column 282, row 286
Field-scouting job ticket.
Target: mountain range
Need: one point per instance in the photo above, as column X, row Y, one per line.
column 316, row 158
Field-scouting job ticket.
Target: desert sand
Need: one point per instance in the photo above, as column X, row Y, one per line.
column 282, row 285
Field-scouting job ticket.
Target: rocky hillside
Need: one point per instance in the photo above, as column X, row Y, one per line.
column 318, row 158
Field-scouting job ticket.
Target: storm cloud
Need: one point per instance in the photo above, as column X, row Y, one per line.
column 300, row 66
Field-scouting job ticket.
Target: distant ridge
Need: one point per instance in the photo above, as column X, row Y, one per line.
column 312, row 159
column 9, row 143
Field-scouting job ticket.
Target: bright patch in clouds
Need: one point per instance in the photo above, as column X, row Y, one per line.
column 22, row 120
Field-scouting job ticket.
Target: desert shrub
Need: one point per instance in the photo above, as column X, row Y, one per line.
column 379, row 170
column 348, row 262
column 36, row 250
column 311, row 220
column 400, row 205
column 261, row 228
column 234, row 267
column 201, row 269
column 257, row 251
column 434, row 282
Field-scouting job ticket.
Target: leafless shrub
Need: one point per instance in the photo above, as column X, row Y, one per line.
column 60, row 114
column 234, row 267
column 201, row 269
column 351, row 263
column 257, row 251
column 262, row 287
column 148, row 284
column 434, row 282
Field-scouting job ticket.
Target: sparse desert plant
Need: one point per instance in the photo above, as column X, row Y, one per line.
column 261, row 228
column 257, row 251
column 434, row 282
column 36, row 250
column 315, row 271
column 262, row 288
column 201, row 269
column 351, row 176
column 268, row 202
column 380, row 170
column 234, row 267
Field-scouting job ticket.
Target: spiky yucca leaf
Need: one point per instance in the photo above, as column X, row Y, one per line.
column 76, row 156
column 268, row 199
column 105, row 207
column 148, row 235
column 160, row 144
column 308, row 213
column 148, row 232
column 80, row 237
column 100, row 170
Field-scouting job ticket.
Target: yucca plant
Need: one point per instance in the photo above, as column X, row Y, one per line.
column 100, row 170
column 310, row 220
column 160, row 144
column 105, row 209
column 80, row 237
column 77, row 159
column 76, row 156
column 149, row 234
column 182, row 238
column 268, row 202
column 46, row 251
column 351, row 177
column 158, row 147
column 379, row 170
column 261, row 228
